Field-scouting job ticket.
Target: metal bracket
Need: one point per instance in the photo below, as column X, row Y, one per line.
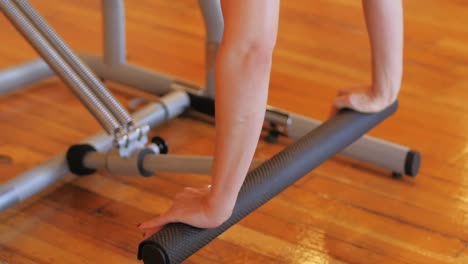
column 128, row 142
column 277, row 123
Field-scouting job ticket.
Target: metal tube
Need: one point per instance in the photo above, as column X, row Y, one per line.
column 95, row 160
column 214, row 24
column 154, row 163
column 63, row 70
column 130, row 75
column 183, row 164
column 113, row 19
column 178, row 164
column 176, row 103
column 40, row 177
column 81, row 69
column 37, row 179
column 24, row 74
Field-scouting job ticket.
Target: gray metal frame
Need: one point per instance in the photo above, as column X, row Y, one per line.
column 113, row 67
column 23, row 75
column 214, row 24
column 36, row 179
column 113, row 16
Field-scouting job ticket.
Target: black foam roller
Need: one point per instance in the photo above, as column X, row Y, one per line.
column 176, row 242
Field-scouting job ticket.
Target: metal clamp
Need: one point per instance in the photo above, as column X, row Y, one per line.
column 277, row 123
column 128, row 142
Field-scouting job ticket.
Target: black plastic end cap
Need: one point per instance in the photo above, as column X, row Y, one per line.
column 75, row 157
column 412, row 163
column 162, row 145
column 151, row 253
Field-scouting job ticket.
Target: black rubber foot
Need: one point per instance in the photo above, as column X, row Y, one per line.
column 397, row 175
column 412, row 163
column 162, row 145
column 75, row 157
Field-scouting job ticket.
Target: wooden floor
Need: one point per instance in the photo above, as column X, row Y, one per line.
column 343, row 212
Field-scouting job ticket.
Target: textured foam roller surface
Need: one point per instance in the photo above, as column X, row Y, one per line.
column 176, row 242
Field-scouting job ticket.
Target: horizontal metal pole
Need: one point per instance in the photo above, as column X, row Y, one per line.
column 130, row 75
column 23, row 74
column 183, row 164
column 155, row 163
column 177, row 241
column 178, row 164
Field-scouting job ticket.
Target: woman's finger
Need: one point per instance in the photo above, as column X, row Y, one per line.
column 150, row 231
column 343, row 101
column 162, row 220
column 342, row 92
column 183, row 195
column 202, row 191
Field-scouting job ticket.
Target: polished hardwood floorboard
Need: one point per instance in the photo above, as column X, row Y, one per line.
column 342, row 212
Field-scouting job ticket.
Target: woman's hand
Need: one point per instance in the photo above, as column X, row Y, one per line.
column 192, row 206
column 384, row 20
column 362, row 99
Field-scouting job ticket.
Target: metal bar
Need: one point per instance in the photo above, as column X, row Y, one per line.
column 214, row 24
column 177, row 241
column 75, row 63
column 154, row 163
column 37, row 179
column 63, row 70
column 183, row 164
column 113, row 20
column 23, row 74
column 130, row 75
